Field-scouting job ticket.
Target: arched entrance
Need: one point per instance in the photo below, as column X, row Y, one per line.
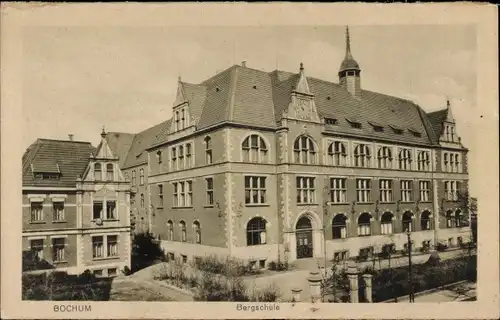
column 304, row 238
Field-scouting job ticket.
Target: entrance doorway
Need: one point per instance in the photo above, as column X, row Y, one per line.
column 304, row 238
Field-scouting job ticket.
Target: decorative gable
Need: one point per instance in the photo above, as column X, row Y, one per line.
column 181, row 116
column 302, row 106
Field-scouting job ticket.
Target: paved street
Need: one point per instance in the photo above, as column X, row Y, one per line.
column 461, row 292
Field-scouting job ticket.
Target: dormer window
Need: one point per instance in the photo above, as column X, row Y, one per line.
column 396, row 129
column 97, row 171
column 376, row 126
column 354, row 123
column 415, row 132
column 331, row 121
column 46, row 176
column 181, row 118
column 109, row 172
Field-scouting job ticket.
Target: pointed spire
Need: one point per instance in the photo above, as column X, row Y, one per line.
column 103, row 133
column 348, row 63
column 302, row 85
column 449, row 114
column 301, row 67
column 348, row 54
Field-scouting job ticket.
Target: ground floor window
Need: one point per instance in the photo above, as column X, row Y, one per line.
column 58, row 249
column 256, row 232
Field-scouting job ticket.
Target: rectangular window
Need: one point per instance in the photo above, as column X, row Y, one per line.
column 141, row 177
column 406, row 190
column 305, row 190
column 338, row 190
column 134, row 177
column 36, row 211
column 189, row 194
column 97, row 210
column 112, row 246
column 210, row 191
column 58, row 210
column 112, row 272
column 451, row 190
column 183, row 194
column 37, row 248
column 97, row 272
column 160, row 195
column 173, row 153
column 446, row 162
column 180, row 163
column 255, row 190
column 363, row 187
column 111, row 210
column 58, row 249
column 188, row 156
column 425, row 190
column 98, row 247
column 175, row 193
column 385, row 190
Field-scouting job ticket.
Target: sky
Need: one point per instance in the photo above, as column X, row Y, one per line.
column 78, row 79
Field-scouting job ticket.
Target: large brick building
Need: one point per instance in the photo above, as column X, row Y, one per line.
column 272, row 165
column 76, row 207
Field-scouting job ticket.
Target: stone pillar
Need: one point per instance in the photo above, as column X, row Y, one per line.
column 296, row 294
column 368, row 287
column 352, row 273
column 315, row 286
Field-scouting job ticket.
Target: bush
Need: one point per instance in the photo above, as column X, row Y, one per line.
column 214, row 287
column 146, row 251
column 225, row 266
column 441, row 247
column 271, row 293
column 278, row 265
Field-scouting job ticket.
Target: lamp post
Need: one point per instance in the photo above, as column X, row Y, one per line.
column 410, row 276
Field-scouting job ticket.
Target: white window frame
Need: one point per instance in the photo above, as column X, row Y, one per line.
column 386, row 190
column 405, row 159
column 335, row 155
column 406, row 188
column 311, row 156
column 306, row 189
column 385, row 159
column 256, row 153
column 363, row 190
column 209, row 192
column 423, row 160
column 261, row 191
column 105, row 246
column 362, row 157
column 338, row 190
column 425, row 193
column 182, row 194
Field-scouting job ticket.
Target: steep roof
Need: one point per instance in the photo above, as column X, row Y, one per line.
column 120, row 143
column 436, row 119
column 69, row 159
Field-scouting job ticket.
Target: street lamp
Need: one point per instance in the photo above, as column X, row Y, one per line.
column 410, row 276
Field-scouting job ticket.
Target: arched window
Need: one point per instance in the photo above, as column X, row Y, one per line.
column 141, row 177
column 170, row 230
column 450, row 221
column 405, row 159
column 425, row 220
column 109, row 172
column 362, row 156
column 337, row 154
column 97, row 172
column 197, row 232
column 182, row 226
column 458, row 218
column 304, row 150
column 208, row 150
column 254, row 149
column 256, row 232
column 384, row 157
column 407, row 221
column 159, row 156
column 339, row 229
column 423, row 161
column 142, row 200
column 364, row 224
column 386, row 223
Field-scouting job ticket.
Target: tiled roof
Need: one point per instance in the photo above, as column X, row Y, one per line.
column 436, row 119
column 120, row 144
column 69, row 158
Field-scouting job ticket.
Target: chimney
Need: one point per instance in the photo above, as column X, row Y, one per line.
column 244, row 64
column 70, row 136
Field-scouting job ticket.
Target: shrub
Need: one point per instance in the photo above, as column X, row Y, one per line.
column 213, row 287
column 271, row 293
column 146, row 251
column 278, row 265
column 441, row 247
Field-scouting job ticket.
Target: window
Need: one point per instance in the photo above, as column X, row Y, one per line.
column 459, row 219
column 363, row 190
column 97, row 172
column 341, row 256
column 256, row 232
column 385, row 187
column 425, row 220
column 97, row 210
column 159, row 156
column 362, row 156
column 406, row 190
column 197, row 232
column 173, row 161
column 446, row 162
column 36, row 246
column 182, row 226
column 339, row 228
column 456, row 164
column 112, row 246
column 160, row 195
column 405, row 159
column 142, row 200
column 58, row 211
column 305, row 190
column 170, row 230
column 386, row 223
column 184, row 258
column 189, row 159
column 97, row 272
column 364, row 224
column 141, row 177
column 134, row 177
column 126, row 176
column 177, row 119
column 304, row 150
column 337, row 154
column 331, row 121
column 98, row 247
column 451, row 190
column 423, row 161
column 183, row 194
column 110, row 172
column 112, row 272
column 210, row 191
column 452, row 133
column 111, row 210
column 36, row 211
column 208, row 150
column 338, row 190
column 355, row 125
column 254, row 149
column 255, row 190
column 424, row 190
column 180, row 164
column 58, row 249
column 450, row 221
column 384, row 157
column 407, row 221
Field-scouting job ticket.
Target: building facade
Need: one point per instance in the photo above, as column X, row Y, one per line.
column 277, row 165
column 76, row 207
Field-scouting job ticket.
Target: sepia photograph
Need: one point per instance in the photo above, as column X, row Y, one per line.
column 262, row 165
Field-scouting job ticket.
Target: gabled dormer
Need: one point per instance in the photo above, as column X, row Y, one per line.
column 103, row 164
column 181, row 114
column 302, row 106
